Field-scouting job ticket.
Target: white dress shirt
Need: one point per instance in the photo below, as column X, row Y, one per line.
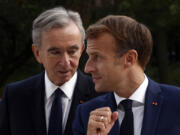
column 138, row 98
column 68, row 89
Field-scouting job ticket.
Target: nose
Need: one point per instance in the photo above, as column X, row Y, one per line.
column 64, row 60
column 89, row 67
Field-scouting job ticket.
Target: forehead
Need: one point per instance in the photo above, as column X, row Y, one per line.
column 69, row 30
column 103, row 43
column 62, row 37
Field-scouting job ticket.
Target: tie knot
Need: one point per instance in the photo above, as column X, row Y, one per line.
column 127, row 104
column 58, row 93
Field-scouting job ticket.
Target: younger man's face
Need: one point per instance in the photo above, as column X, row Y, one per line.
column 103, row 64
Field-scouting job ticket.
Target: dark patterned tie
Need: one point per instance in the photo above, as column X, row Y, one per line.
column 55, row 121
column 127, row 125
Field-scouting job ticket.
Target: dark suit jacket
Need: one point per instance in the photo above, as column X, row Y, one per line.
column 160, row 119
column 22, row 107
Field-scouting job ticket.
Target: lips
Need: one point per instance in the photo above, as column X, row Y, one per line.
column 95, row 79
column 64, row 72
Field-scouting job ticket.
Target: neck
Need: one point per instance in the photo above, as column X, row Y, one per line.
column 134, row 79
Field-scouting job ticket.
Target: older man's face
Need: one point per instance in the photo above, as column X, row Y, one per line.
column 60, row 52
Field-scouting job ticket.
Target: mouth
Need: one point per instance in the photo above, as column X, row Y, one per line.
column 64, row 72
column 95, row 79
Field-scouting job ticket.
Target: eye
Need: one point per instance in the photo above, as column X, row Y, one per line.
column 96, row 57
column 72, row 52
column 54, row 52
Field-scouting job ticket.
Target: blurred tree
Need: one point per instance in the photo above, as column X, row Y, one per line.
column 16, row 16
column 15, row 46
column 160, row 16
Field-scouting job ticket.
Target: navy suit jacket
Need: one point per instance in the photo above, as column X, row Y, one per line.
column 22, row 107
column 160, row 119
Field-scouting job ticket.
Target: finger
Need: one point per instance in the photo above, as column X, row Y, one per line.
column 102, row 113
column 114, row 116
column 103, row 109
column 98, row 126
column 106, row 112
column 100, row 119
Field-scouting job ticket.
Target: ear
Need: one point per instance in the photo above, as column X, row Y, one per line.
column 83, row 47
column 36, row 53
column 131, row 57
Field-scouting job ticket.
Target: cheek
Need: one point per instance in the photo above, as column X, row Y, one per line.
column 74, row 61
column 52, row 61
column 50, row 64
column 101, row 66
column 106, row 71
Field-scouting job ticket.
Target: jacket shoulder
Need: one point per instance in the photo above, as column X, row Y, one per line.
column 86, row 79
column 27, row 82
column 25, row 86
column 168, row 92
column 85, row 86
column 97, row 102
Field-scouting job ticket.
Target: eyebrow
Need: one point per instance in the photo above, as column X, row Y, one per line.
column 92, row 53
column 52, row 49
column 76, row 47
column 73, row 47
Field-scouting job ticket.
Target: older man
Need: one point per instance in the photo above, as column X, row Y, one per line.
column 119, row 49
column 46, row 103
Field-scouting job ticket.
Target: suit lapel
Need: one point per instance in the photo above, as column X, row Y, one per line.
column 80, row 95
column 74, row 103
column 112, row 104
column 153, row 103
column 37, row 107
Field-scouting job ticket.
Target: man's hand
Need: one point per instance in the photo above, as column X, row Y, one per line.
column 101, row 121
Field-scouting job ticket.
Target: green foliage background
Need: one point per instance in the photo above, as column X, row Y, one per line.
column 161, row 16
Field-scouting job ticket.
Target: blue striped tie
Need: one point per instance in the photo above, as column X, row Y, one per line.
column 55, row 121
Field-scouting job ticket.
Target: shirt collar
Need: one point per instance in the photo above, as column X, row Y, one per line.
column 138, row 95
column 67, row 87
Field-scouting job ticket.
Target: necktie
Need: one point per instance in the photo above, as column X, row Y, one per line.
column 55, row 121
column 127, row 127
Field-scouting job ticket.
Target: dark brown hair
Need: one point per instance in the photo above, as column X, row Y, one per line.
column 128, row 33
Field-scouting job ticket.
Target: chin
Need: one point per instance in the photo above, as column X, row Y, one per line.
column 102, row 89
column 99, row 89
column 61, row 82
column 64, row 78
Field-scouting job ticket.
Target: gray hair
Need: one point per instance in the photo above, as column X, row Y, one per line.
column 55, row 18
